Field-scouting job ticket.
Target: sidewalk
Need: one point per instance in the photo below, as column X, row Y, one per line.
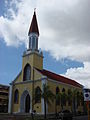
column 80, row 118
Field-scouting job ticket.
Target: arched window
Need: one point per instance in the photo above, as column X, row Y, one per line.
column 57, row 96
column 63, row 90
column 69, row 97
column 27, row 73
column 37, row 95
column 63, row 97
column 78, row 99
column 16, row 96
column 57, row 90
column 33, row 42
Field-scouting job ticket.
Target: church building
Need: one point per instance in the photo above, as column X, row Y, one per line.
column 33, row 76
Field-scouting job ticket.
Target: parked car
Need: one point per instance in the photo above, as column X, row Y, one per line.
column 65, row 115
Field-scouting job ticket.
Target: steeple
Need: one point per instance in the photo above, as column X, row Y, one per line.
column 33, row 34
column 34, row 26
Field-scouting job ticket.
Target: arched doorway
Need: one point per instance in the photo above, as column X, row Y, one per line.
column 25, row 102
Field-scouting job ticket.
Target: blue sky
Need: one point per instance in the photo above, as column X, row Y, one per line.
column 62, row 46
column 11, row 62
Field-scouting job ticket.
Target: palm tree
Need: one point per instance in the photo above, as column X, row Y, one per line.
column 74, row 100
column 78, row 99
column 69, row 98
column 63, row 99
column 47, row 95
column 82, row 99
column 57, row 99
column 57, row 102
column 75, row 97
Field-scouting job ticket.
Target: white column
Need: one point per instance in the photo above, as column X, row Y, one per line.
column 10, row 99
column 30, row 103
column 42, row 100
column 44, row 81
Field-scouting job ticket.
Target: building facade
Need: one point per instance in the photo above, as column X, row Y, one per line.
column 32, row 78
column 4, row 93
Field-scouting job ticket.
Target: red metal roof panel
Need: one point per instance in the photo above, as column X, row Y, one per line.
column 59, row 78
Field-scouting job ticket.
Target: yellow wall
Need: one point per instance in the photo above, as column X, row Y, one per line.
column 35, row 60
column 38, row 106
column 21, row 88
column 18, row 78
column 27, row 86
column 53, row 86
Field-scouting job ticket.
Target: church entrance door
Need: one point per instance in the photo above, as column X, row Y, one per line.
column 27, row 104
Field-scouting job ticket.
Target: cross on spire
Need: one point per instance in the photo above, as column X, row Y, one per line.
column 34, row 9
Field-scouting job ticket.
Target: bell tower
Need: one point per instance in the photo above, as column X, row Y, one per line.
column 33, row 34
column 32, row 56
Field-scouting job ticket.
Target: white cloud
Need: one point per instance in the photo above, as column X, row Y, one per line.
column 80, row 74
column 64, row 29
column 64, row 26
column 15, row 23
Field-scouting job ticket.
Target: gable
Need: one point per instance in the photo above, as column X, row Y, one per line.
column 18, row 78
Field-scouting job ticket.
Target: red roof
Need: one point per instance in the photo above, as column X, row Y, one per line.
column 34, row 26
column 59, row 78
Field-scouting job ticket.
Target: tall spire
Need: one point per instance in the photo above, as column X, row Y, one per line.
column 34, row 25
column 33, row 34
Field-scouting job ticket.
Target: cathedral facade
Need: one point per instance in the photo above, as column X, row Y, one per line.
column 32, row 78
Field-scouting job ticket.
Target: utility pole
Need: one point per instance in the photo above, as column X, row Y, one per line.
column 33, row 91
column 87, row 100
column 88, row 108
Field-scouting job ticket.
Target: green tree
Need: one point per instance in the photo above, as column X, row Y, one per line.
column 63, row 99
column 74, row 101
column 47, row 95
column 82, row 99
column 69, row 98
column 74, row 98
column 57, row 101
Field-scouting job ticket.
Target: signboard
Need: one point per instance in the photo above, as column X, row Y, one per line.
column 86, row 94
